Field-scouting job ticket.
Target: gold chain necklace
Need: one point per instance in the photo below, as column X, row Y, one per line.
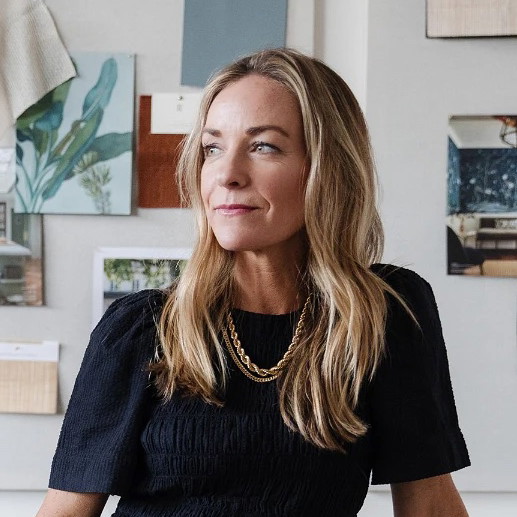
column 243, row 362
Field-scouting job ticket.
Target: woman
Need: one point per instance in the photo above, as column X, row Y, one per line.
column 279, row 173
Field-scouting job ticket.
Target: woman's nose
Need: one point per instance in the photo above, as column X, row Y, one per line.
column 232, row 169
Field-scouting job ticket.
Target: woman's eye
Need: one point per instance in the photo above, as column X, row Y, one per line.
column 263, row 147
column 210, row 150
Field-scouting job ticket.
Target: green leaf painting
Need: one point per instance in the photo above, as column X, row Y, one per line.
column 74, row 146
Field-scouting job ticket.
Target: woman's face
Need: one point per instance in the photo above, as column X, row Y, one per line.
column 253, row 176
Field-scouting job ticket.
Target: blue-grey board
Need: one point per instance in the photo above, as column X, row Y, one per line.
column 216, row 32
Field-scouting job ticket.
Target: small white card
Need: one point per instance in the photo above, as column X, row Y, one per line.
column 7, row 169
column 47, row 351
column 174, row 113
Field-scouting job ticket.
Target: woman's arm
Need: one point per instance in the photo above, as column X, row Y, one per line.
column 431, row 497
column 58, row 503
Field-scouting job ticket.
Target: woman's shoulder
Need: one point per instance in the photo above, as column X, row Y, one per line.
column 140, row 302
column 407, row 283
column 131, row 315
column 413, row 418
column 397, row 275
column 110, row 400
column 414, row 290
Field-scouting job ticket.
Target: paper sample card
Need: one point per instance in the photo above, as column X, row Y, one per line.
column 7, row 161
column 29, row 377
column 216, row 33
column 174, row 113
column 470, row 18
column 74, row 146
column 7, row 171
column 157, row 158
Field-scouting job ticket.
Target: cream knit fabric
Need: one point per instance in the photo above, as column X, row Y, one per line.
column 33, row 59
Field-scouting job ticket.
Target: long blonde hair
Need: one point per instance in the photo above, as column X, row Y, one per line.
column 343, row 340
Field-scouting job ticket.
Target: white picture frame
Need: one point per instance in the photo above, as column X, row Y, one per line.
column 134, row 278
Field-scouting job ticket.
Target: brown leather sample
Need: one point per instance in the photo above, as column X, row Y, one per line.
column 157, row 157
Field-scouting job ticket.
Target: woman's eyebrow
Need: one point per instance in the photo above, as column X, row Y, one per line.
column 254, row 130
column 213, row 132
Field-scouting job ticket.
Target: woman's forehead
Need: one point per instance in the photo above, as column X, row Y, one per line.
column 254, row 100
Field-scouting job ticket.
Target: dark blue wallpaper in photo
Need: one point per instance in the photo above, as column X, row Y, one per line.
column 485, row 178
column 453, row 178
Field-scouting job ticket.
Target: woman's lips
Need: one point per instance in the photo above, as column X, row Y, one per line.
column 234, row 209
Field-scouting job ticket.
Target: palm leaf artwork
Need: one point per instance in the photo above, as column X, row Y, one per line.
column 46, row 158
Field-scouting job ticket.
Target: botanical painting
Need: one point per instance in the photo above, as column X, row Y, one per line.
column 482, row 195
column 21, row 256
column 121, row 271
column 74, row 147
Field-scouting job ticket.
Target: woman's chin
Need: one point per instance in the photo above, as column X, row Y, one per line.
column 236, row 246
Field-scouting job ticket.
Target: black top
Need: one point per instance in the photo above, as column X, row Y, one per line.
column 187, row 458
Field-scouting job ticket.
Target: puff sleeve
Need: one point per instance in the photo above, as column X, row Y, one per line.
column 414, row 422
column 97, row 449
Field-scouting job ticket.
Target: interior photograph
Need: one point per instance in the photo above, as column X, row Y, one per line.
column 482, row 196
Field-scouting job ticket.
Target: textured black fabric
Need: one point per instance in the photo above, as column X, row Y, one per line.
column 187, row 458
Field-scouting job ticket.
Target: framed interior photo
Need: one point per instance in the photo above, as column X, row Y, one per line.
column 482, row 195
column 121, row 271
column 21, row 256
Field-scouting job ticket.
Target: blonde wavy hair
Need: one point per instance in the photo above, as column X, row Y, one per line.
column 343, row 340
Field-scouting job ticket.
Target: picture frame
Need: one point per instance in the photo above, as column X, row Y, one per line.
column 120, row 271
column 481, row 219
column 21, row 256
column 74, row 147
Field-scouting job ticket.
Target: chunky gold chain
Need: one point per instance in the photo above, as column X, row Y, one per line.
column 244, row 363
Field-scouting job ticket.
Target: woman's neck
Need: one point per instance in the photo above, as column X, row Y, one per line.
column 268, row 285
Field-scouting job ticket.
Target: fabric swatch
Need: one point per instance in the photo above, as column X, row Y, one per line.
column 33, row 59
column 157, row 157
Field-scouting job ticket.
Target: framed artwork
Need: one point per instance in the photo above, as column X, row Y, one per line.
column 120, row 271
column 74, row 146
column 481, row 221
column 471, row 18
column 21, row 256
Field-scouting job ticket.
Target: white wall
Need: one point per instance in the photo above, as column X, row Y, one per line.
column 413, row 85
column 341, row 40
